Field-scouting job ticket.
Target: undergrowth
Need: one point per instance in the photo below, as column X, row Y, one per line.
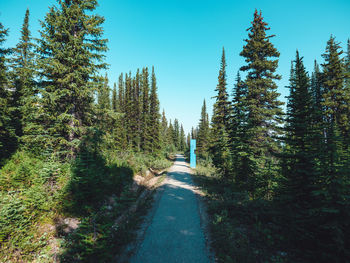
column 38, row 193
column 242, row 230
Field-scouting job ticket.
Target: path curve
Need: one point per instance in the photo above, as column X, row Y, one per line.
column 175, row 233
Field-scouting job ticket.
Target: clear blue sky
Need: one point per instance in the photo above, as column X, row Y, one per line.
column 183, row 39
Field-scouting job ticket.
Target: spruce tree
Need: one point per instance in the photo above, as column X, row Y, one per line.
column 7, row 132
column 170, row 134
column 103, row 98
column 300, row 173
column 182, row 139
column 128, row 110
column 145, row 118
column 203, row 133
column 120, row 132
column 237, row 129
column 194, row 133
column 164, row 130
column 120, row 105
column 336, row 98
column 114, row 98
column 23, row 81
column 176, row 134
column 264, row 113
column 137, row 110
column 222, row 105
column 154, row 115
column 220, row 122
column 335, row 177
column 188, row 140
column 71, row 54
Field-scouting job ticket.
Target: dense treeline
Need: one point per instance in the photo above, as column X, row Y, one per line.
column 296, row 163
column 69, row 144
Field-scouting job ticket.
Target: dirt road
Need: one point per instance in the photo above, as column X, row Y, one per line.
column 175, row 233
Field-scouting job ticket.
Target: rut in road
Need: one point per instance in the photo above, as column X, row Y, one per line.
column 175, row 233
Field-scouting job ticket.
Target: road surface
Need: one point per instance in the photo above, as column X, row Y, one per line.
column 175, row 233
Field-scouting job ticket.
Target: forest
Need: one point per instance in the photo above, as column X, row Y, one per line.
column 276, row 177
column 69, row 142
column 281, row 189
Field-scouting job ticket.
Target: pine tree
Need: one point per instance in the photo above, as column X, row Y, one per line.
column 237, row 130
column 194, row 133
column 120, row 133
column 7, row 132
column 164, row 131
column 336, row 169
column 182, row 139
column 263, row 108
column 170, row 134
column 203, row 133
column 220, row 123
column 137, row 110
column 71, row 54
column 154, row 115
column 114, row 98
column 103, row 98
column 120, row 105
column 128, row 110
column 145, row 119
column 222, row 105
column 23, row 81
column 336, row 99
column 188, row 140
column 300, row 171
column 176, row 134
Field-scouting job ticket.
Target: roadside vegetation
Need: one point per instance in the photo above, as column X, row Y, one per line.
column 280, row 188
column 70, row 145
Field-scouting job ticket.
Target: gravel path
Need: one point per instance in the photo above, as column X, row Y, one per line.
column 175, row 233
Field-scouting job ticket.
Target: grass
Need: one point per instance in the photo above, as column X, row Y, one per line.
column 242, row 230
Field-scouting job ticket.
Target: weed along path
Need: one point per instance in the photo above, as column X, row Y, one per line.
column 175, row 233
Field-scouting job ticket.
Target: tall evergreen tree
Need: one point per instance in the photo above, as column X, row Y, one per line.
column 176, row 134
column 237, row 130
column 336, row 169
column 164, row 130
column 222, row 105
column 71, row 54
column 120, row 105
column 220, row 122
column 203, row 133
column 182, row 139
column 23, row 81
column 114, row 98
column 154, row 115
column 137, row 109
column 336, row 97
column 7, row 132
column 263, row 108
column 300, row 171
column 170, row 134
column 128, row 110
column 103, row 98
column 145, row 119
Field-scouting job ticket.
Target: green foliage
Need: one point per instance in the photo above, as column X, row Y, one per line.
column 220, row 123
column 71, row 54
column 154, row 116
column 32, row 191
column 203, row 133
column 241, row 229
column 281, row 189
column 8, row 140
column 262, row 108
